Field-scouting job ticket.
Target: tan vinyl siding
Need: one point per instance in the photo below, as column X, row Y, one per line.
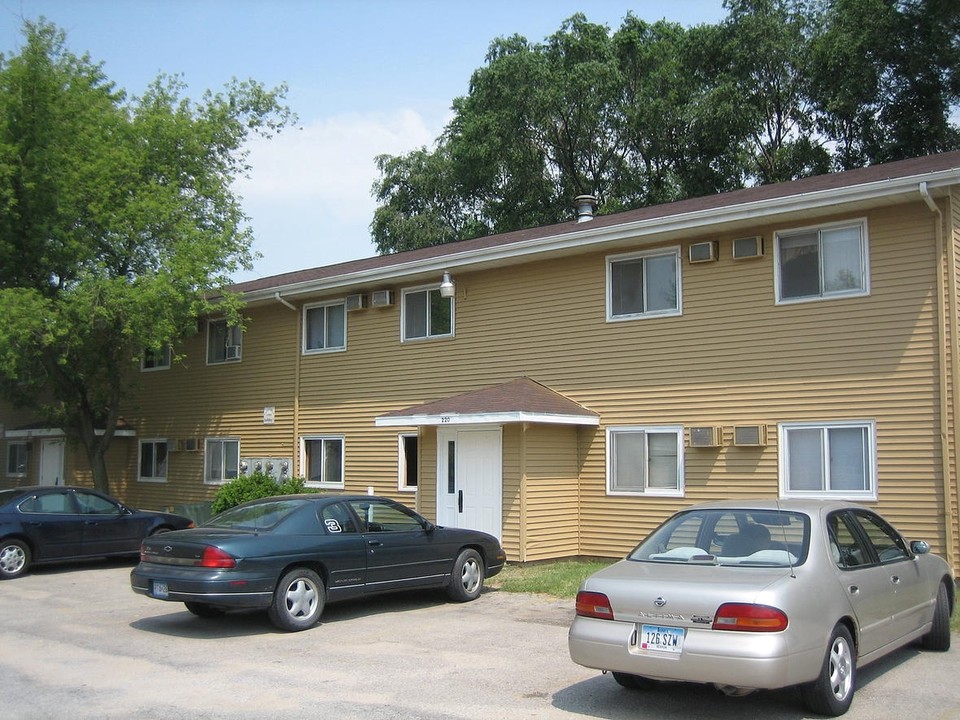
column 552, row 522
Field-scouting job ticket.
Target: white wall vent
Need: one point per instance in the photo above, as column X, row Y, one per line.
column 703, row 252
column 750, row 435
column 705, row 436
column 356, row 302
column 381, row 298
column 748, row 248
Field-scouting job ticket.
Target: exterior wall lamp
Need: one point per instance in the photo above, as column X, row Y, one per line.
column 447, row 288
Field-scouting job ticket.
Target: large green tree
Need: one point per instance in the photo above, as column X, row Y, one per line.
column 654, row 112
column 118, row 225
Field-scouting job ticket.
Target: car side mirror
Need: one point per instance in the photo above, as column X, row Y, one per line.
column 428, row 527
column 919, row 547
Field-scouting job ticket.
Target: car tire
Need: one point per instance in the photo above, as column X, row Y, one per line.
column 832, row 692
column 938, row 638
column 632, row 682
column 298, row 600
column 466, row 578
column 14, row 558
column 203, row 610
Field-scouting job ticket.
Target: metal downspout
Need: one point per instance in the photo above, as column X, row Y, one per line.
column 947, row 312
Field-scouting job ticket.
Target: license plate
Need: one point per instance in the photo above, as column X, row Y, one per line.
column 660, row 639
column 160, row 590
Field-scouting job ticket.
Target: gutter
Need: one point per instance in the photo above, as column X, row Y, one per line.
column 948, row 359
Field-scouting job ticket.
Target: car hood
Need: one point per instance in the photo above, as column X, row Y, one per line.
column 682, row 594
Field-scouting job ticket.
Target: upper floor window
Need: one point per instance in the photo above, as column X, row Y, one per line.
column 828, row 459
column 17, row 453
column 645, row 460
column 153, row 460
column 426, row 314
column 223, row 342
column 825, row 262
column 324, row 327
column 156, row 359
column 322, row 460
column 221, row 460
column 643, row 284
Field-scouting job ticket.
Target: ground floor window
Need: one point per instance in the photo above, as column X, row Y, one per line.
column 645, row 460
column 409, row 461
column 17, row 453
column 153, row 460
column 322, row 460
column 835, row 459
column 221, row 460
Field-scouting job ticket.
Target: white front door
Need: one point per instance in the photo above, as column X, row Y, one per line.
column 470, row 479
column 51, row 461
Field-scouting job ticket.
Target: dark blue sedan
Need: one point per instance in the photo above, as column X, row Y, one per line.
column 43, row 524
column 292, row 554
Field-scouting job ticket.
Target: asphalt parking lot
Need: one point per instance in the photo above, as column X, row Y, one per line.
column 76, row 642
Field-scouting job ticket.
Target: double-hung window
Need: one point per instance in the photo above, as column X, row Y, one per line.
column 643, row 284
column 829, row 459
column 223, row 342
column 17, row 453
column 322, row 460
column 825, row 262
column 645, row 460
column 324, row 327
column 221, row 460
column 426, row 314
column 153, row 460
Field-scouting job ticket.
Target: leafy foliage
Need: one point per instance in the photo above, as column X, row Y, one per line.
column 118, row 227
column 651, row 113
column 254, row 486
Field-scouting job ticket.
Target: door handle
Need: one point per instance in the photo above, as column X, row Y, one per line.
column 895, row 579
column 459, row 500
column 854, row 590
column 374, row 543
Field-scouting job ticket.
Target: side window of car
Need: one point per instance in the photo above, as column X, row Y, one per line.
column 91, row 504
column 887, row 544
column 337, row 519
column 57, row 503
column 846, row 544
column 384, row 517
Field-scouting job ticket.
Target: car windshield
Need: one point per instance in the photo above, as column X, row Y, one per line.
column 260, row 516
column 729, row 536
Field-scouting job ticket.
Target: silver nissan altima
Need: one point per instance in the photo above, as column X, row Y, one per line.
column 764, row 594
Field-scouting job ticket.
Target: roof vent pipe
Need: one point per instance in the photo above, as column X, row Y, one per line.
column 586, row 206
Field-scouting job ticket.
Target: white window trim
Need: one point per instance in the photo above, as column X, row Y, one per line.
column 154, row 441
column 168, row 352
column 429, row 336
column 657, row 252
column 865, row 259
column 304, row 468
column 784, row 452
column 225, row 361
column 320, row 351
column 647, row 492
column 402, row 462
column 206, row 460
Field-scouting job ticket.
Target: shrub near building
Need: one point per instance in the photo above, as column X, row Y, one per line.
column 254, row 486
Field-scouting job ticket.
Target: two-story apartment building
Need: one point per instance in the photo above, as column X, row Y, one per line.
column 567, row 387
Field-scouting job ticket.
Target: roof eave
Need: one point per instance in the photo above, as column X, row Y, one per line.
column 492, row 418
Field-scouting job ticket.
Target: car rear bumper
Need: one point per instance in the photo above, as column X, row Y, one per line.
column 182, row 585
column 739, row 659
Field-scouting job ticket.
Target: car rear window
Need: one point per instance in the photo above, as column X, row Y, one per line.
column 260, row 516
column 741, row 537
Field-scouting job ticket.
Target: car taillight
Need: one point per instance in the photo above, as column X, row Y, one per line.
column 214, row 557
column 594, row 604
column 747, row 617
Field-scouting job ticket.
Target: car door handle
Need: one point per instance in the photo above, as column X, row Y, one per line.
column 374, row 543
column 854, row 590
column 895, row 579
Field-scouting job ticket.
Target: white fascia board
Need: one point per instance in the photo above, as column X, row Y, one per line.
column 34, row 432
column 589, row 237
column 485, row 419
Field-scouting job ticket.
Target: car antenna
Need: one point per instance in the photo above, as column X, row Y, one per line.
column 786, row 547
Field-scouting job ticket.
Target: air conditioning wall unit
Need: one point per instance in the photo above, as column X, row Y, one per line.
column 750, row 435
column 356, row 302
column 381, row 298
column 704, row 436
column 232, row 352
column 703, row 252
column 191, row 444
column 748, row 248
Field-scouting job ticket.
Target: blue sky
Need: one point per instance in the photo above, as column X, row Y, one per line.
column 365, row 77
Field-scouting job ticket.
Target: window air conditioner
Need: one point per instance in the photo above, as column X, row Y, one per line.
column 748, row 248
column 233, row 352
column 381, row 298
column 356, row 302
column 750, row 435
column 703, row 252
column 190, row 444
column 705, row 436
